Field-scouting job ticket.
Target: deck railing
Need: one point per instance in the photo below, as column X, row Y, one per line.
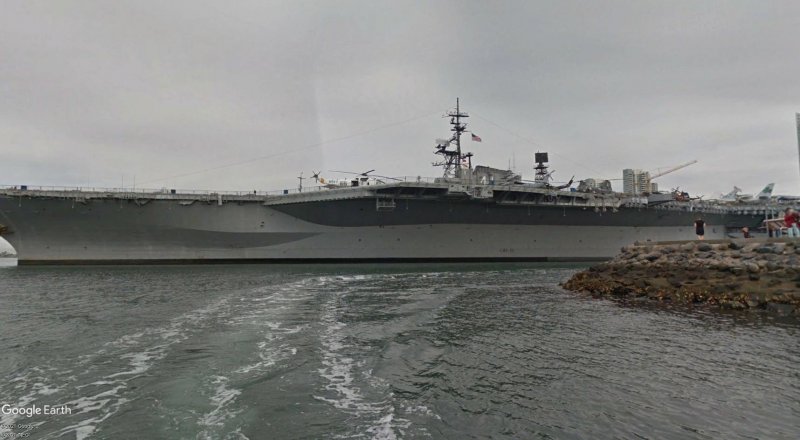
column 766, row 209
column 200, row 192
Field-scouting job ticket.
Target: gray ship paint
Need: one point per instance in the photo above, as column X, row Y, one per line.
column 341, row 225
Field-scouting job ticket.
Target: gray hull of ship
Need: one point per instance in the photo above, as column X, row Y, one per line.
column 104, row 231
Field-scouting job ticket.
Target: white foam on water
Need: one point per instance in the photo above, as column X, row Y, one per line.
column 108, row 399
column 142, row 350
column 222, row 397
column 339, row 370
column 350, row 387
column 255, row 309
column 221, row 400
column 83, row 431
column 268, row 356
column 127, row 340
column 46, row 390
column 263, row 312
column 140, row 362
column 94, row 384
column 353, row 277
column 387, row 427
column 272, row 349
column 85, row 428
column 422, row 410
column 36, row 381
column 95, row 402
column 324, row 280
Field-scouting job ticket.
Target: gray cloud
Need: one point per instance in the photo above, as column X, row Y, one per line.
column 97, row 92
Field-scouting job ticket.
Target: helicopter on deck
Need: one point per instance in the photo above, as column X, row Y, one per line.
column 365, row 178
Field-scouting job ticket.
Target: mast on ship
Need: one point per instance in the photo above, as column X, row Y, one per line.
column 452, row 159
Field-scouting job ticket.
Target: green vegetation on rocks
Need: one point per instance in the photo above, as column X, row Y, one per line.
column 739, row 274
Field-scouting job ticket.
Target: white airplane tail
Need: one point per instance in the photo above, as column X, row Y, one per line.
column 766, row 193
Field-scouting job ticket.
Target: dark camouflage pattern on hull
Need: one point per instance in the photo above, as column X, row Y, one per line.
column 394, row 222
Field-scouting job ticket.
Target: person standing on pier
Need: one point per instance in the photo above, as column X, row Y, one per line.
column 700, row 228
column 791, row 220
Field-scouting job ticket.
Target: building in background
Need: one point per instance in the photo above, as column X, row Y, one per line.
column 629, row 181
column 637, row 182
column 594, row 185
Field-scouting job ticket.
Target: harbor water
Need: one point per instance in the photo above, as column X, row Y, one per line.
column 424, row 351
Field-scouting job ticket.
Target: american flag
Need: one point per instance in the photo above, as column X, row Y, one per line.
column 476, row 138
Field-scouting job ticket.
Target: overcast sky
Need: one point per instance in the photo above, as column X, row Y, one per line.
column 97, row 92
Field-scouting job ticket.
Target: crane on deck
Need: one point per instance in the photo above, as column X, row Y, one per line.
column 667, row 171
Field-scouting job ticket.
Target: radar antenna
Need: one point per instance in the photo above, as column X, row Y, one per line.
column 542, row 176
column 452, row 159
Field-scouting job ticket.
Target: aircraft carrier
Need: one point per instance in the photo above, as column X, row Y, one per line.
column 469, row 214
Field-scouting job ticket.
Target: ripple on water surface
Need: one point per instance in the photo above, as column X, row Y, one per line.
column 395, row 351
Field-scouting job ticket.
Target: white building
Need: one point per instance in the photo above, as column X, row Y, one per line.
column 636, row 182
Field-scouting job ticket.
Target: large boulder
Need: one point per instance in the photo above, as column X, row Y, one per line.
column 735, row 245
column 704, row 247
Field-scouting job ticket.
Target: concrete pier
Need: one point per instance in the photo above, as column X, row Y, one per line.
column 738, row 274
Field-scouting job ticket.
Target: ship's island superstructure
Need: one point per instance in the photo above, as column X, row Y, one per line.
column 469, row 214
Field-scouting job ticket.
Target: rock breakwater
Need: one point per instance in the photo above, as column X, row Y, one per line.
column 738, row 274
